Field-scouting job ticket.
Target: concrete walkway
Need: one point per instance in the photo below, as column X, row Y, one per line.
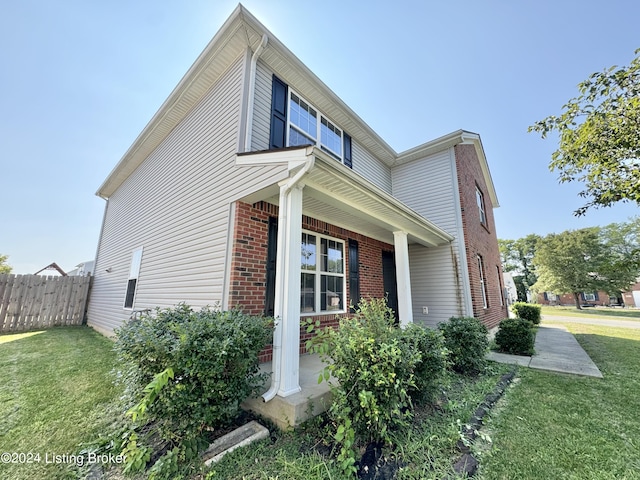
column 557, row 350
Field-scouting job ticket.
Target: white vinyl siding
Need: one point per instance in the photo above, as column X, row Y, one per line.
column 370, row 167
column 428, row 187
column 433, row 284
column 177, row 204
column 261, row 109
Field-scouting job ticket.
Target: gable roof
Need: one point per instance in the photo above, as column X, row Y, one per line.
column 240, row 32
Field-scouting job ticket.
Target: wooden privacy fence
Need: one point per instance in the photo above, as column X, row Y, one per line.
column 28, row 302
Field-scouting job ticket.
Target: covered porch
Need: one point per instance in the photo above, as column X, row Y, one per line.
column 318, row 186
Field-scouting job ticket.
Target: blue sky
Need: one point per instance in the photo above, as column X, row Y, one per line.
column 80, row 79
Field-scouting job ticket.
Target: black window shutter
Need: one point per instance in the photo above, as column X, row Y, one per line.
column 596, row 295
column 278, row 136
column 546, row 297
column 270, row 287
column 354, row 275
column 582, row 297
column 347, row 150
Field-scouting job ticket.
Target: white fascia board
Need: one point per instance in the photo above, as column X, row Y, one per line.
column 293, row 157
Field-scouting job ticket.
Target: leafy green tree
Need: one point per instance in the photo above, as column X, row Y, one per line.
column 517, row 257
column 578, row 261
column 622, row 243
column 599, row 143
column 4, row 267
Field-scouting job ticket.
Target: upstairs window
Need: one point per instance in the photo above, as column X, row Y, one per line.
column 481, row 209
column 308, row 126
column 295, row 122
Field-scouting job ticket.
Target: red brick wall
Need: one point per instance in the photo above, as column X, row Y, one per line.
column 249, row 260
column 479, row 239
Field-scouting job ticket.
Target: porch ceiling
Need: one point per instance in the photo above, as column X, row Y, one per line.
column 335, row 194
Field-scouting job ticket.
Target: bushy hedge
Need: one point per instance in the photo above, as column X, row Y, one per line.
column 378, row 366
column 528, row 311
column 467, row 342
column 516, row 336
column 185, row 370
column 434, row 359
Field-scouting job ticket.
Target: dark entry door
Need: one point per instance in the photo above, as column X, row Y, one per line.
column 389, row 280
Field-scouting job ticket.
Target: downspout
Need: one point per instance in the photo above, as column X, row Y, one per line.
column 252, row 85
column 280, row 267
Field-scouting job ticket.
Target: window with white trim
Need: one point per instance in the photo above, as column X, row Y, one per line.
column 132, row 281
column 308, row 126
column 589, row 297
column 483, row 286
column 481, row 209
column 322, row 278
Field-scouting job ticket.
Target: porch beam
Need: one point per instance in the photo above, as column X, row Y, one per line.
column 403, row 277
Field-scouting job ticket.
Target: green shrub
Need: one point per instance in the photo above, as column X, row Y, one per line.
column 516, row 335
column 374, row 363
column 528, row 311
column 212, row 358
column 431, row 367
column 467, row 342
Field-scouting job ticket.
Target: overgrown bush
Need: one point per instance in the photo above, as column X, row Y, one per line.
column 374, row 363
column 186, row 370
column 528, row 311
column 430, row 369
column 516, row 336
column 467, row 342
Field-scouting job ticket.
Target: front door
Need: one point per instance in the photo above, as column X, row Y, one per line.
column 389, row 281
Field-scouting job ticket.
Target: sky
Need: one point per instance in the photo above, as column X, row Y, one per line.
column 80, row 79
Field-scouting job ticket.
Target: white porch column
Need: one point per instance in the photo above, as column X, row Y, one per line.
column 290, row 223
column 403, row 279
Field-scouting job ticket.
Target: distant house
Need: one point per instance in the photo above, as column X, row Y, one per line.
column 631, row 298
column 598, row 298
column 84, row 269
column 511, row 292
column 256, row 186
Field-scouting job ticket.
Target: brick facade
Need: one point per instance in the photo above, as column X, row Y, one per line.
column 480, row 239
column 249, row 262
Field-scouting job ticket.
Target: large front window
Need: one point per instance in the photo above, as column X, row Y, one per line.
column 322, row 280
column 307, row 126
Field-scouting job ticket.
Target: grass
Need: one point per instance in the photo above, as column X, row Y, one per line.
column 591, row 312
column 56, row 386
column 568, row 427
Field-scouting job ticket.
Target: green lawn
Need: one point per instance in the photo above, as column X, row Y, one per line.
column 55, row 387
column 590, row 312
column 567, row 427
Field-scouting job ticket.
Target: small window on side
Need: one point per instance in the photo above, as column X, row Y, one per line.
column 132, row 282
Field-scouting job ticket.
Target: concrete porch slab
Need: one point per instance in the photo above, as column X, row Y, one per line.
column 291, row 411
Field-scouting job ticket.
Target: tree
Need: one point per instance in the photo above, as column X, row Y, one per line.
column 4, row 267
column 622, row 243
column 517, row 257
column 599, row 141
column 578, row 261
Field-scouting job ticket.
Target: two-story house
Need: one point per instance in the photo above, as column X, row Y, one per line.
column 254, row 185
